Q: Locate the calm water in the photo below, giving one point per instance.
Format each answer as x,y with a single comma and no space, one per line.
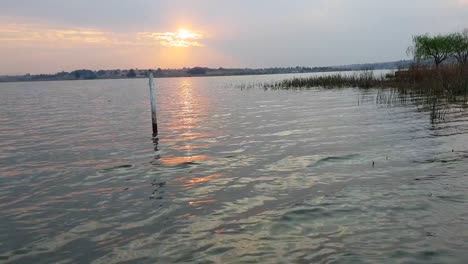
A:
237,176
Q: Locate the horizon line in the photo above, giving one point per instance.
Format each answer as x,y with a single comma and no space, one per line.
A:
205,67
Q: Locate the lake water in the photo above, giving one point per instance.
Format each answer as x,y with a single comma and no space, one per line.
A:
237,175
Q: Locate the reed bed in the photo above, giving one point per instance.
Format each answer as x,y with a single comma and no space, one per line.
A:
448,82
364,79
432,89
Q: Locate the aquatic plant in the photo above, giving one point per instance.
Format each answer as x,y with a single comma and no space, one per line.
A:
365,79
448,81
432,89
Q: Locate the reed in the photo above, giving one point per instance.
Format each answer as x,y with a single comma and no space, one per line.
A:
365,79
450,81
432,89
447,82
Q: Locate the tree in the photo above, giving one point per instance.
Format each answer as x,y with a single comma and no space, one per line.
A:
101,73
437,48
197,71
460,47
131,73
84,74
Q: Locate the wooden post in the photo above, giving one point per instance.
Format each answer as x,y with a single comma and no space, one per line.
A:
153,105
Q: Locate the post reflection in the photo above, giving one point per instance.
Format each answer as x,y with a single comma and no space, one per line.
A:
183,137
157,156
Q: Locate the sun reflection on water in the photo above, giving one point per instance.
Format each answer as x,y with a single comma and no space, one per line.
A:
198,180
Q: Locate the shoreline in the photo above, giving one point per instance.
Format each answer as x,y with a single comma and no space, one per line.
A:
186,76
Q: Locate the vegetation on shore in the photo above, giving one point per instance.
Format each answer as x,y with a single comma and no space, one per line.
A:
365,79
437,79
195,71
446,76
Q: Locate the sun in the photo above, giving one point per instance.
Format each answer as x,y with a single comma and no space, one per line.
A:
182,38
186,34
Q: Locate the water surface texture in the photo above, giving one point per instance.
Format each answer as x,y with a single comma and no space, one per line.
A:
237,175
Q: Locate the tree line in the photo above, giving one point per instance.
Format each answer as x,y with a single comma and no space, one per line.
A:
440,48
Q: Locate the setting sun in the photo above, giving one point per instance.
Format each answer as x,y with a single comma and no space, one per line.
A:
186,34
182,38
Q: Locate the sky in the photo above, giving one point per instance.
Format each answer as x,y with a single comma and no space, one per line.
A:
49,36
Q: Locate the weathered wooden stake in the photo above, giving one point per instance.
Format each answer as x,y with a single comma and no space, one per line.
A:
153,105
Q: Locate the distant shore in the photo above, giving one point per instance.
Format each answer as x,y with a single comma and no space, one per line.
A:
85,74
10,79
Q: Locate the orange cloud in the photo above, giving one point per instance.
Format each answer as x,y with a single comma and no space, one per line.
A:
25,45
28,33
181,38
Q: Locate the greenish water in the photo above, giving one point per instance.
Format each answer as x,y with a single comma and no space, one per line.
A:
237,176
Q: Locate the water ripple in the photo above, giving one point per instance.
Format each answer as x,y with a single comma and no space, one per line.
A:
235,176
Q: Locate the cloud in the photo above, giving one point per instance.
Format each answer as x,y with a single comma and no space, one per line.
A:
182,38
16,33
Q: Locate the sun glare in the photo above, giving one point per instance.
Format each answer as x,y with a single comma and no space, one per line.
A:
185,34
182,38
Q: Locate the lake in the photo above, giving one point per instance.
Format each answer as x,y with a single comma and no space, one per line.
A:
235,175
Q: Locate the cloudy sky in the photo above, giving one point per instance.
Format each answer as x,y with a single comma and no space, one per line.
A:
54,35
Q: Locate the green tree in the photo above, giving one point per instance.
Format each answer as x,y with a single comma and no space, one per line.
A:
437,48
460,47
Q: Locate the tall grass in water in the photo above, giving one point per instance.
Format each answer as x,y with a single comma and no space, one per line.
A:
365,79
432,89
450,81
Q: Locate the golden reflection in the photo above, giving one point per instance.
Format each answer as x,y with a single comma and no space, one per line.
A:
184,139
188,122
195,181
187,114
190,147
173,160
190,112
202,202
